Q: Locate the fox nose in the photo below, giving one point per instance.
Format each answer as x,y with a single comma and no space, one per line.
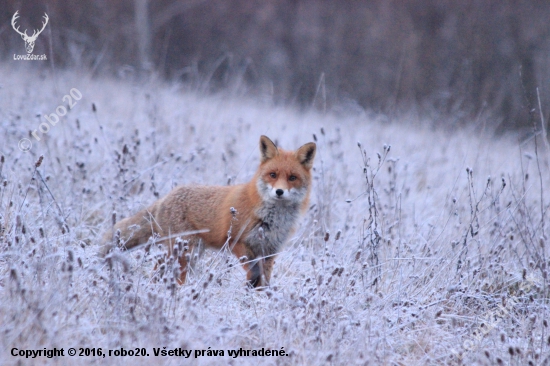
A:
279,192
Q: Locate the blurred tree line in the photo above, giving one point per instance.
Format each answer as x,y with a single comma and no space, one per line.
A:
454,58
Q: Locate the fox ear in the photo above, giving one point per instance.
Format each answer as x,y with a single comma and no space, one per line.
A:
268,149
306,153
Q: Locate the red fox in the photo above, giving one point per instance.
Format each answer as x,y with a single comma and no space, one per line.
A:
260,214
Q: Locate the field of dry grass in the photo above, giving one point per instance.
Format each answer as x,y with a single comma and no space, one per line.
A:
420,247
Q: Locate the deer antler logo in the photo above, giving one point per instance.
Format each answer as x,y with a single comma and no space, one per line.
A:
29,41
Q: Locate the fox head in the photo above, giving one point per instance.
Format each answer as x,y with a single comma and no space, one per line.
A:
285,175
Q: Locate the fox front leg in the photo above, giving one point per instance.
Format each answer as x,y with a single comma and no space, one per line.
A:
259,273
256,274
255,268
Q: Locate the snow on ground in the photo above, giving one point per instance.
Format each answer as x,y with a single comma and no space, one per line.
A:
420,247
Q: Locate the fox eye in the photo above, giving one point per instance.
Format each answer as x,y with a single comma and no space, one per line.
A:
273,175
292,178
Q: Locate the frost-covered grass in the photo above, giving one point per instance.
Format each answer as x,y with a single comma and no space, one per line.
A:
433,251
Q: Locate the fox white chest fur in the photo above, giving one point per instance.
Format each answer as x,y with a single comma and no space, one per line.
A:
277,222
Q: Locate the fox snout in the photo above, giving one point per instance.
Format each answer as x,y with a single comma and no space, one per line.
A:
282,193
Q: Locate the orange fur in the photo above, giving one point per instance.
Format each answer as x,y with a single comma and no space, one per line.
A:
265,211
